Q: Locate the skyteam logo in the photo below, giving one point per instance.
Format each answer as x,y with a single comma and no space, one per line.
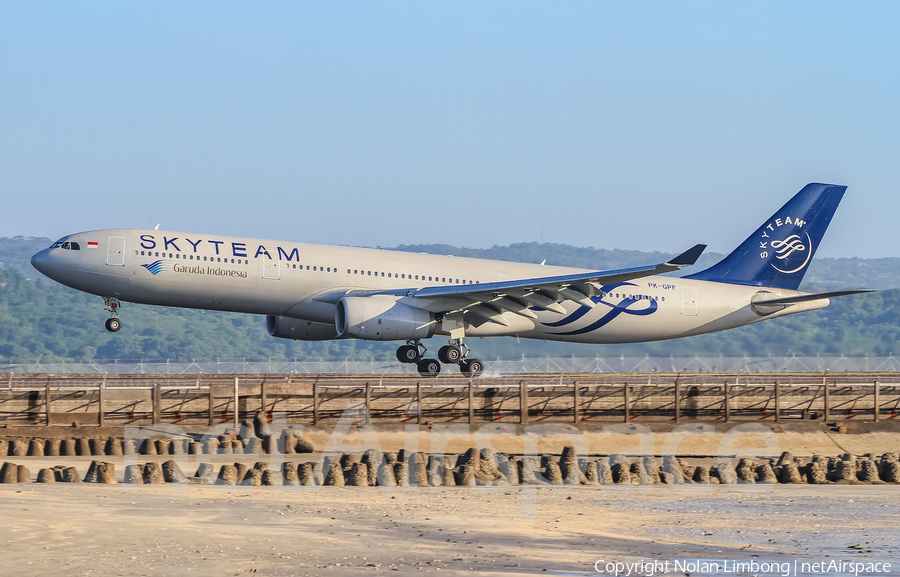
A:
158,266
789,254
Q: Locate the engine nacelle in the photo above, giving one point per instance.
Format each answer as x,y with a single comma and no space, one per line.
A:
299,330
381,319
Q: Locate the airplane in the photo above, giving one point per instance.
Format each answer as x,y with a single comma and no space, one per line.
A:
319,292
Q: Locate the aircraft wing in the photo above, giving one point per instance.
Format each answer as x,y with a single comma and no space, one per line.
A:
486,302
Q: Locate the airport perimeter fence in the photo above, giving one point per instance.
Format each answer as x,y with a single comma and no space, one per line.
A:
220,399
496,368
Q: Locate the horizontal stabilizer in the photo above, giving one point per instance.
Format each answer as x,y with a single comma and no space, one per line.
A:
811,297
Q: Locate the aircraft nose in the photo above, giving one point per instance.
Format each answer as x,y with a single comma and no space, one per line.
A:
41,261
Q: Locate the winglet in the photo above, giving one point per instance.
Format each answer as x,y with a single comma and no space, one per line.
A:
688,257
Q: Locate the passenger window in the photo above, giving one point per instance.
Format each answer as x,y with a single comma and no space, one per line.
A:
443,280
389,275
157,254
382,274
355,271
329,269
429,278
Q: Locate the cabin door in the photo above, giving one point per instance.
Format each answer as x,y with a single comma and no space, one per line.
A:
116,251
689,301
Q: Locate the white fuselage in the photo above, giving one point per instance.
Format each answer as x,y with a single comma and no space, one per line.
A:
299,280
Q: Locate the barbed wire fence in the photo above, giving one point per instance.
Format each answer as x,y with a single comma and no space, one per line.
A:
647,364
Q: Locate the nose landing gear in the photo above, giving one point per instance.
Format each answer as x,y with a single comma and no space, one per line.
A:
113,324
455,353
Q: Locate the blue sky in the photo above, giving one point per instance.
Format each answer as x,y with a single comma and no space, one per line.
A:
648,126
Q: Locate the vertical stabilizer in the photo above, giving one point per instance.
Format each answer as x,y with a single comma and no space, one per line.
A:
779,252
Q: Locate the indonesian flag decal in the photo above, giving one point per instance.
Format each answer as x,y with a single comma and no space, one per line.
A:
93,244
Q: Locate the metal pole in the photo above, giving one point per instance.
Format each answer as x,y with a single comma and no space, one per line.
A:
576,400
315,403
102,418
157,404
877,400
523,403
368,403
471,403
677,401
263,398
727,403
777,401
47,399
212,406
419,402
627,391
827,398
237,416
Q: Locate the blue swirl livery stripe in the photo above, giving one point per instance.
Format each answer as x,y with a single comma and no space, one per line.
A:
157,267
623,307
583,310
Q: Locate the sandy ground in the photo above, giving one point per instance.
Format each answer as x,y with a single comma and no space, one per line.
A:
196,530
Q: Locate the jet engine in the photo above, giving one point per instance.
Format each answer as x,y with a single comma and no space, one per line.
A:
299,330
381,319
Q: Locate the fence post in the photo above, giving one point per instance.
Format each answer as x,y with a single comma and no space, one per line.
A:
212,406
827,398
419,403
102,419
523,403
263,398
368,402
877,401
237,417
777,401
677,401
627,391
315,402
157,404
576,398
727,403
471,403
47,399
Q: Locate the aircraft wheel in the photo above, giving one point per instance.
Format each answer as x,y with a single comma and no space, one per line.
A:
113,325
408,354
429,367
449,354
472,368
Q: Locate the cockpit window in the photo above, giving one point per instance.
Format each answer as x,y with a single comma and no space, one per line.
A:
65,245
56,244
75,246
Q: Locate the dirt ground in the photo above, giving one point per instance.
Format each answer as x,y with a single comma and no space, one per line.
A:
195,530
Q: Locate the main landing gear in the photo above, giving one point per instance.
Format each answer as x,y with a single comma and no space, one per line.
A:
453,354
113,324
